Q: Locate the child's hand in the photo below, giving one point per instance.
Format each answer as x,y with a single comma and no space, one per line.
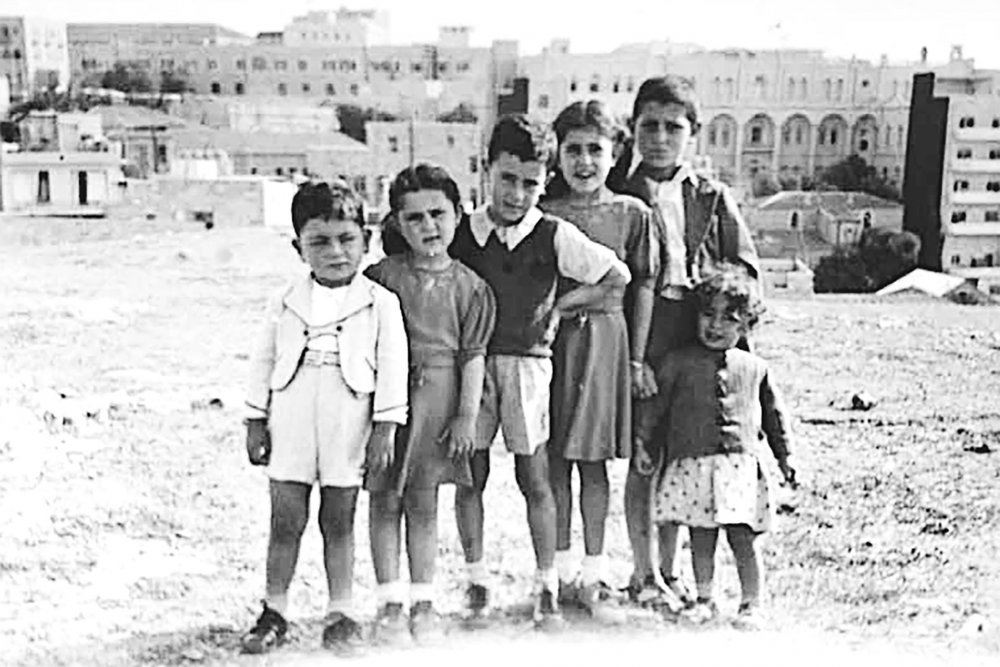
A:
258,441
555,318
788,472
643,381
644,463
381,447
460,436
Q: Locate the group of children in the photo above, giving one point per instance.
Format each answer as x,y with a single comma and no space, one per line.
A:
594,311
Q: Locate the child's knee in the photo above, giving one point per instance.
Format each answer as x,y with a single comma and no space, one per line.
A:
336,513
421,505
288,524
533,481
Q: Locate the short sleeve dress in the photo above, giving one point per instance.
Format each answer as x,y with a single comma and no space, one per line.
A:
449,316
591,389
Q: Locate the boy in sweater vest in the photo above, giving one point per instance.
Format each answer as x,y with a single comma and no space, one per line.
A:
521,253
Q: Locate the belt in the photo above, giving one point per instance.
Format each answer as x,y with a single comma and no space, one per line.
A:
321,358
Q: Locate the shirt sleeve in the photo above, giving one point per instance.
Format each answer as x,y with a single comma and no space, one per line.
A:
478,322
580,259
774,419
640,243
262,359
391,362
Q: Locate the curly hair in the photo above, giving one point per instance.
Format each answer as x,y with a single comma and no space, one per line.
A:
525,139
733,283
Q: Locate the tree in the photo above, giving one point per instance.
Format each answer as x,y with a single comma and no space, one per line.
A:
352,119
853,174
173,82
765,185
463,113
881,257
127,77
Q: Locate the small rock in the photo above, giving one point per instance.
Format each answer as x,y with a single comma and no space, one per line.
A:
193,655
982,448
975,624
862,401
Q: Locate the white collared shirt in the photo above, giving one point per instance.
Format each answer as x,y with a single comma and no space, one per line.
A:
323,311
577,257
668,197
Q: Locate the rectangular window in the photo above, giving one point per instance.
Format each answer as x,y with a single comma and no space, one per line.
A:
393,145
281,65
992,216
241,64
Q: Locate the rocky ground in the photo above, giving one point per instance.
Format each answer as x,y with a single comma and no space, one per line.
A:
134,531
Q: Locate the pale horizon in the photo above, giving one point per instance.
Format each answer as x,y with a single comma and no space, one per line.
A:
850,28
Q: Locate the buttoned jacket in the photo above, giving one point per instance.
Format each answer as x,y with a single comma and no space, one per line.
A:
371,339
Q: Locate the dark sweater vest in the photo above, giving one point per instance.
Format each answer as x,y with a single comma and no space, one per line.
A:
524,283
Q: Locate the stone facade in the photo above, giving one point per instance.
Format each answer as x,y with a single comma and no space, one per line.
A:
34,55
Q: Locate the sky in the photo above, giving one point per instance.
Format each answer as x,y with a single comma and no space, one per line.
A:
863,28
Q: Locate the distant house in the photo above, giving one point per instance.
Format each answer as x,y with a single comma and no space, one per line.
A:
814,221
63,166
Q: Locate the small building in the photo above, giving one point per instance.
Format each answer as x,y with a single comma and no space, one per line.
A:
59,183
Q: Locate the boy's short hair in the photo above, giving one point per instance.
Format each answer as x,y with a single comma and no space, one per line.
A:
527,140
327,201
733,283
669,89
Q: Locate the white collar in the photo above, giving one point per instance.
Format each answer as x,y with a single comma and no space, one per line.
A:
481,225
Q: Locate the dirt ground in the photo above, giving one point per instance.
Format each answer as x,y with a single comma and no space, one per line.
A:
133,531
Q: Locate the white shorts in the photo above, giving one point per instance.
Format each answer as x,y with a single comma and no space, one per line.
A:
516,401
319,429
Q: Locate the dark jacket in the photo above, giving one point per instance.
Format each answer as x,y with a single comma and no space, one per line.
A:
714,227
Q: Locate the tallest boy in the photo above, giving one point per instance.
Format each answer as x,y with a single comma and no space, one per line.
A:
522,252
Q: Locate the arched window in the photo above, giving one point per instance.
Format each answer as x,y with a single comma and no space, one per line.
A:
798,135
725,136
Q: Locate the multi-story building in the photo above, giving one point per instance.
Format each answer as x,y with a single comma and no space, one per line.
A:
34,55
789,113
96,47
348,27
952,190
455,146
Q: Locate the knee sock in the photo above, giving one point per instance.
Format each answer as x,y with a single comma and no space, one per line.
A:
345,607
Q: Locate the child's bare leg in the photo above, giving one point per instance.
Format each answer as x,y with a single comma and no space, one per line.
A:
639,523
421,507
289,515
336,523
560,479
532,475
594,499
749,566
703,542
669,540
469,508
385,511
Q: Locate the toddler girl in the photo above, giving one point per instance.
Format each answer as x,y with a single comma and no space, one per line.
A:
449,313
714,400
592,383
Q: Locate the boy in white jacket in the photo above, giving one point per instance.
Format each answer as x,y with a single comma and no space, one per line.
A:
328,387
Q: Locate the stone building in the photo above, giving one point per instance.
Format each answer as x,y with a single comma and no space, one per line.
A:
34,55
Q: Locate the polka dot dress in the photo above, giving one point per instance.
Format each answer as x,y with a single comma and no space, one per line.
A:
713,491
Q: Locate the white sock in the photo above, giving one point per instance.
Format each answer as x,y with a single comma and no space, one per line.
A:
566,566
476,572
279,603
390,592
547,578
421,593
594,569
